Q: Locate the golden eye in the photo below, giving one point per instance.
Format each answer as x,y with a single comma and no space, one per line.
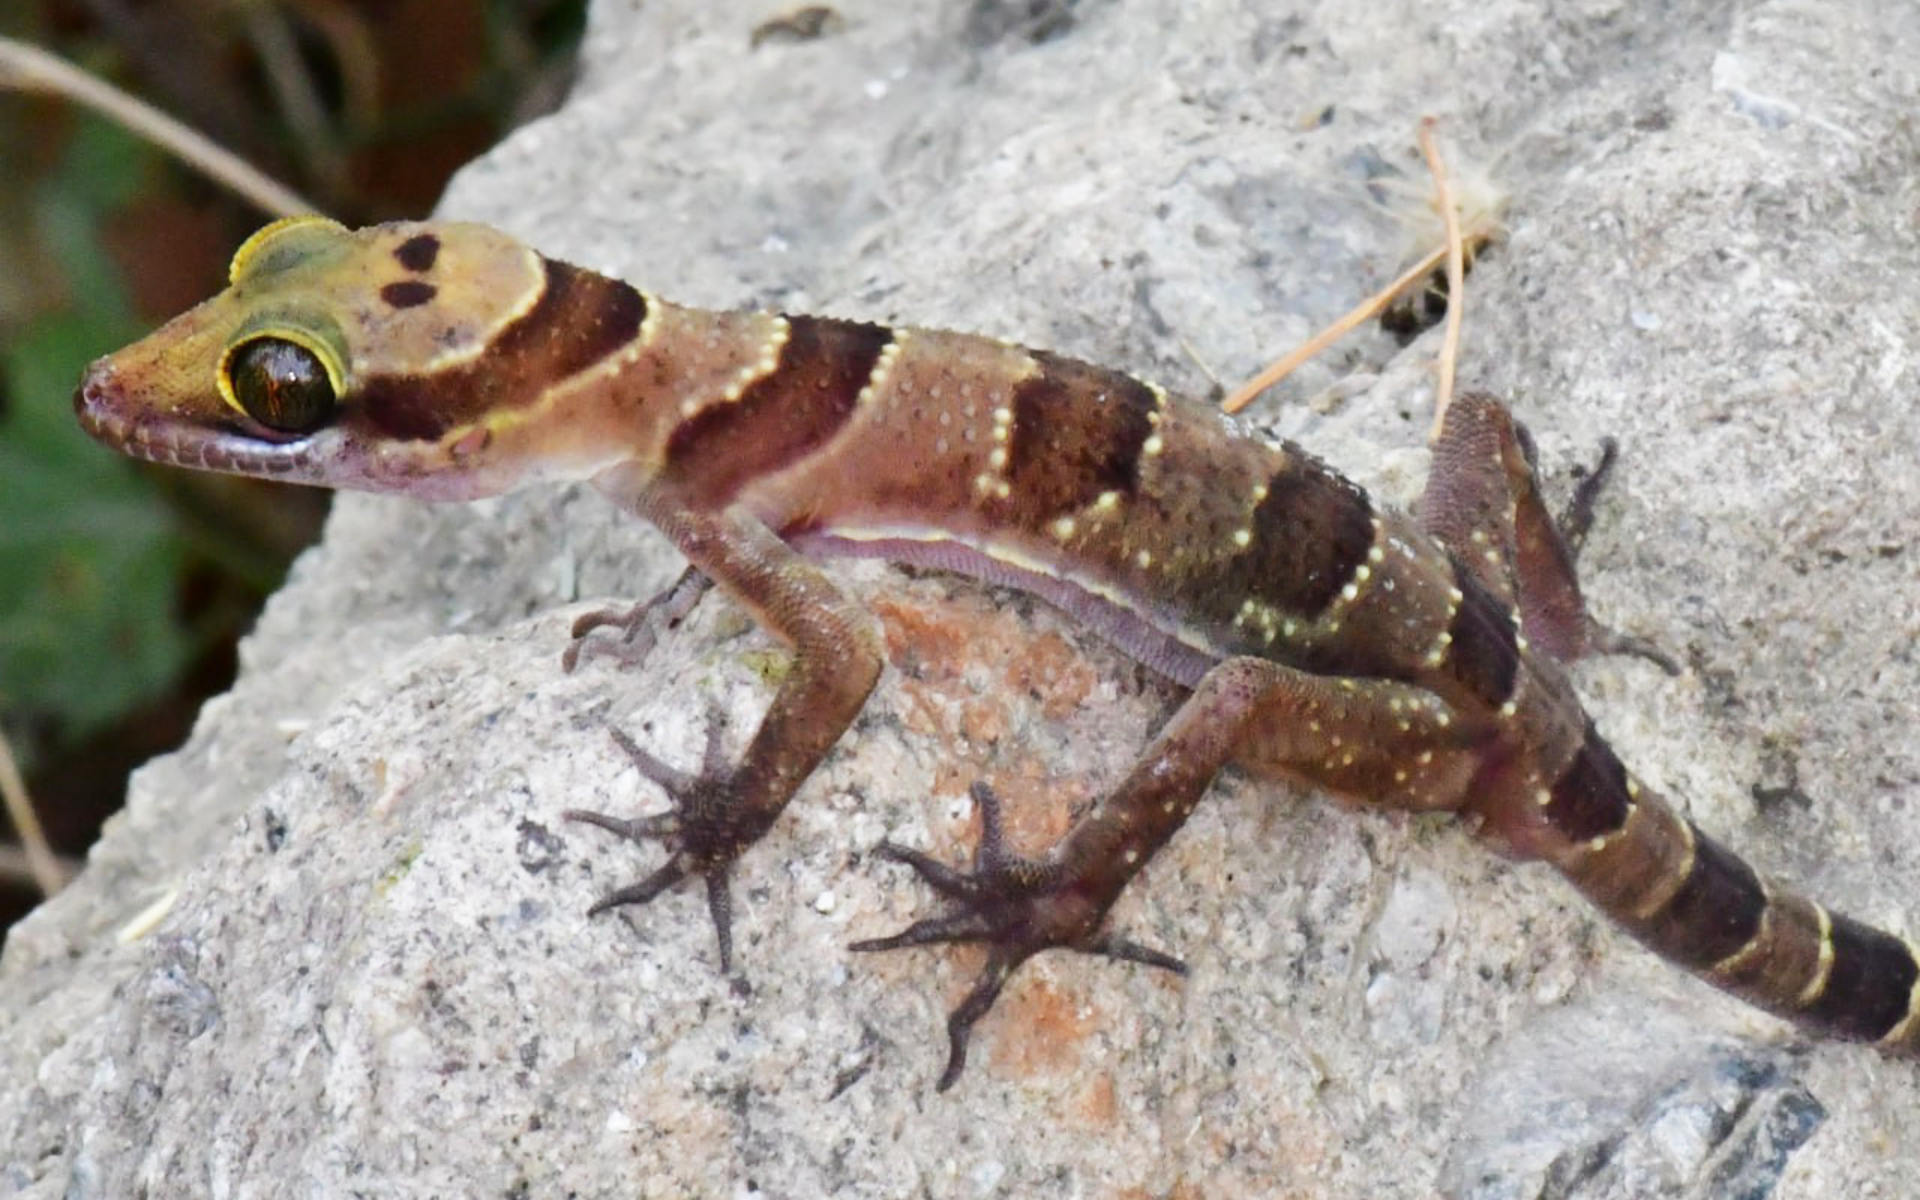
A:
281,384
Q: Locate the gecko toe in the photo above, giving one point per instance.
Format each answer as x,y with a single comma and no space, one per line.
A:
701,836
1017,907
638,630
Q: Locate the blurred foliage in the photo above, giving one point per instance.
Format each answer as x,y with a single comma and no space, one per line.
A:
122,588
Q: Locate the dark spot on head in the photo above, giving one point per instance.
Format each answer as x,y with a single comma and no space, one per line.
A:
408,293
418,252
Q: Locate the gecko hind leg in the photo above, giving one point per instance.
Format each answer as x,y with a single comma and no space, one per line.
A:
995,903
639,632
1483,503
1389,741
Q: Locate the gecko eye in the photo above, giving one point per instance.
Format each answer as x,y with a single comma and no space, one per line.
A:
282,385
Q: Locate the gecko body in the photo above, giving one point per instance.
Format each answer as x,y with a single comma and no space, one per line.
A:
1406,662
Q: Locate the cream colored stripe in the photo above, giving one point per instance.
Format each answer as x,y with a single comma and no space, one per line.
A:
1761,932
1909,1024
1818,983
1675,880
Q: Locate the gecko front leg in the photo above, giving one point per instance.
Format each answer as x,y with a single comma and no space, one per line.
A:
672,605
1387,741
837,654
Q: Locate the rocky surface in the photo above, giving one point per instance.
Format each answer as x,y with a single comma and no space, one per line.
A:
370,972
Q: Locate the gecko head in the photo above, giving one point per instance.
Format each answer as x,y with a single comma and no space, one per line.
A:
409,357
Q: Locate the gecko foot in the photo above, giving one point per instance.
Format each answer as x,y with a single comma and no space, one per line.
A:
703,832
638,632
1018,907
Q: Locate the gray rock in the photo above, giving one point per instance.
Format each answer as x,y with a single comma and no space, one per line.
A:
373,975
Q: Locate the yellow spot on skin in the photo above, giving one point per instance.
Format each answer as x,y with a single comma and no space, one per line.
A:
1152,446
1144,558
1063,528
998,458
650,324
1508,709
1543,797
1242,537
1376,556
1107,501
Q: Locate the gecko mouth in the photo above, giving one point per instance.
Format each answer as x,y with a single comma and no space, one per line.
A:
101,406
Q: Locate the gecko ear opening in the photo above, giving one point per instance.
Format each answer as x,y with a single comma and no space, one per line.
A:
281,384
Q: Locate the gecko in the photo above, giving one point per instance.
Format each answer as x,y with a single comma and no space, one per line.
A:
1412,662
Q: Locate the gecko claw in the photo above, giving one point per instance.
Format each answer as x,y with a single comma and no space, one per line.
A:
1017,906
637,634
701,838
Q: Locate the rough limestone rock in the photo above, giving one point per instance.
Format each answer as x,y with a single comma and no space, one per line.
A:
373,975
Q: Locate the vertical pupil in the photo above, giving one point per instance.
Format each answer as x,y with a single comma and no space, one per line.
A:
282,385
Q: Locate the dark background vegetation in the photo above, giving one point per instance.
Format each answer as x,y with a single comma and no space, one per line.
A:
123,588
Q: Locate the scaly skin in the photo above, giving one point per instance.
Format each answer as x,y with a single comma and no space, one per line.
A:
1408,663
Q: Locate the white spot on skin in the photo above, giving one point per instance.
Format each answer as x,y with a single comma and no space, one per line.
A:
1063,528
1242,538
763,366
882,367
1144,558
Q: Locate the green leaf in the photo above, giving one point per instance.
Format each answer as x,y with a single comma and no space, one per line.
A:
90,559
